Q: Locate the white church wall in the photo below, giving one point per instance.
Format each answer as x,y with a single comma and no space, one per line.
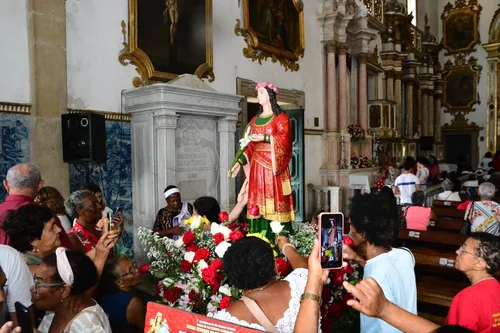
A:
96,78
14,55
478,116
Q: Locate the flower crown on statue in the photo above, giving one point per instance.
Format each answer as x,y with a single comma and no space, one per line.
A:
266,85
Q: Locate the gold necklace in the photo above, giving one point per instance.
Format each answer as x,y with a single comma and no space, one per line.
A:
484,279
261,288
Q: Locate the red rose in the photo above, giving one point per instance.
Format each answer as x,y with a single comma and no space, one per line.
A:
193,247
223,217
172,294
144,268
347,269
218,238
185,266
201,254
194,298
188,238
209,274
225,302
235,235
348,241
217,264
254,210
282,266
337,277
215,286
335,309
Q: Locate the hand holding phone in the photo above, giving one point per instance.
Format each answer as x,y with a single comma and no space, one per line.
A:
23,318
330,239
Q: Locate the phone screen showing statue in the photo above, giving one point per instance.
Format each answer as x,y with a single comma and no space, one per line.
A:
331,240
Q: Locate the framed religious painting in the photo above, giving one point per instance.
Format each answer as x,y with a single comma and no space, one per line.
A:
273,29
460,89
167,38
460,26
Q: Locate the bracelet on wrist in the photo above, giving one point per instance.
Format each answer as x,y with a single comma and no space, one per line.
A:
285,246
310,296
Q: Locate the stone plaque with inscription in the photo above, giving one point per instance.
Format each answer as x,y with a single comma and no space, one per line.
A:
197,158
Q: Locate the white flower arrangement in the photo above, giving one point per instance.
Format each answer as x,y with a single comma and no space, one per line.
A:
276,227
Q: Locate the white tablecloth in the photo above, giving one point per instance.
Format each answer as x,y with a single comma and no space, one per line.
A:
360,182
448,167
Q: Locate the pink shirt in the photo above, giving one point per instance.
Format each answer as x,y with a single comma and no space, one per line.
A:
417,218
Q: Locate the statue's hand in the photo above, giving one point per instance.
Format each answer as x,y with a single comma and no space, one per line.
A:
235,170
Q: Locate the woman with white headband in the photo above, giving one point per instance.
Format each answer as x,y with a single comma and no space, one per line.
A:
170,219
60,283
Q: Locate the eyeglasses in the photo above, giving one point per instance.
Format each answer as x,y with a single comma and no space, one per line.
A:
463,248
133,270
37,285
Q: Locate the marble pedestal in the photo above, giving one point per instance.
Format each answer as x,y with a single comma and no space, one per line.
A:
183,134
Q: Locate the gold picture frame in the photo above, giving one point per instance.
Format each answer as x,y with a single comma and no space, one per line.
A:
460,89
287,45
460,26
149,55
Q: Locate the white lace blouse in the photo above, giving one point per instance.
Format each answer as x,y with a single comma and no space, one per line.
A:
297,280
90,320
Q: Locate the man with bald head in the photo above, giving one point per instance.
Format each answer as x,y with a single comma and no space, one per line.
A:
23,182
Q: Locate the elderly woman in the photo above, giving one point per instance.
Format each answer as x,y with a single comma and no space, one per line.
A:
33,232
84,206
448,194
170,219
484,214
125,311
50,197
60,285
267,304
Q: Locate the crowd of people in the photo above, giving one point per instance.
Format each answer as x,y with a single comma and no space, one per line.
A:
59,258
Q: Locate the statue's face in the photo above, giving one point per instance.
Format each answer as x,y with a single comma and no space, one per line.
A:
263,96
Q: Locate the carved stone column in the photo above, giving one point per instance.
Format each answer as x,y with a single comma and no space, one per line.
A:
343,112
430,114
398,96
390,85
164,131
424,115
362,93
332,88
227,129
438,93
409,108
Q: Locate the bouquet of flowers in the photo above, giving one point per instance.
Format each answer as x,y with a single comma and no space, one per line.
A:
359,162
336,315
356,132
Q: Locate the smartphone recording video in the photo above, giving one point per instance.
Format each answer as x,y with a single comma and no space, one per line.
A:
330,237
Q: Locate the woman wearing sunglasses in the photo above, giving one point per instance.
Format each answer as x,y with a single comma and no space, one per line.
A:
125,311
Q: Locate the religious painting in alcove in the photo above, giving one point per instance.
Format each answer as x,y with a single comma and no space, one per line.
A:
460,26
273,29
168,38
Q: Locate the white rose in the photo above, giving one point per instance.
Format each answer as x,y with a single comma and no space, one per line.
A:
196,223
225,290
276,227
225,231
189,256
222,248
201,265
179,243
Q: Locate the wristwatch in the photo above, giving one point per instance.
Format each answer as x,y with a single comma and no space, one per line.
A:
310,296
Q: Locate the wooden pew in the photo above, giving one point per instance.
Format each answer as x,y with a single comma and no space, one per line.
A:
449,225
432,237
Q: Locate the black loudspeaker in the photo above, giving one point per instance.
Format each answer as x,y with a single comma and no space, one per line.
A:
426,142
84,137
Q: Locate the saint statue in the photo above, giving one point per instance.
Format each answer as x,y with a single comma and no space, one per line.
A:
265,153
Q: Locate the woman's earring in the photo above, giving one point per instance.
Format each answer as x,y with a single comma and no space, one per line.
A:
35,250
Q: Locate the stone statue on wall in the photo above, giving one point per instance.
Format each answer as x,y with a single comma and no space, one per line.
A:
265,153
